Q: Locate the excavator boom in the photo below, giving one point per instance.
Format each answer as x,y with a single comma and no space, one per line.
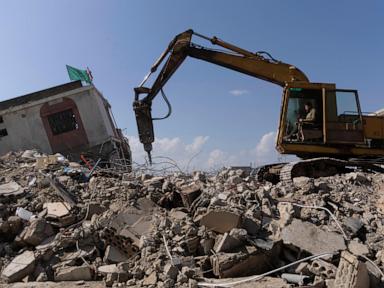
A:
259,65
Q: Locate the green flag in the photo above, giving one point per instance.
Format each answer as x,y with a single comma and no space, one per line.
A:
77,74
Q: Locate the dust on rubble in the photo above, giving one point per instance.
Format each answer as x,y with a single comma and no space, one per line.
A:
60,227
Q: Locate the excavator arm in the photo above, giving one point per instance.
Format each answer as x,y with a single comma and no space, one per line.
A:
259,65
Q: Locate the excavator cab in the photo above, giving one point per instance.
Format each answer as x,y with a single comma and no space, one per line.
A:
335,119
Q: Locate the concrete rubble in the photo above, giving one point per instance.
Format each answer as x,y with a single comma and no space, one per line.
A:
220,229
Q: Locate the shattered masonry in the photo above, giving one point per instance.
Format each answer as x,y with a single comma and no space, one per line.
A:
178,230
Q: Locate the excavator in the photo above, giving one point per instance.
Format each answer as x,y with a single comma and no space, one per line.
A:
335,138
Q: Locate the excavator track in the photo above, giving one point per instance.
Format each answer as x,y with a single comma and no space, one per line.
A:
313,168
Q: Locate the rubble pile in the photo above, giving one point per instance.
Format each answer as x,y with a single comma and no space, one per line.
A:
59,222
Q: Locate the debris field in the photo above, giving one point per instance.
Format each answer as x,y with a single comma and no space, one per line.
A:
61,222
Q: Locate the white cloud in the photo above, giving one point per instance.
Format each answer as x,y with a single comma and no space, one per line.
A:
184,154
265,151
197,144
193,156
266,143
238,92
216,158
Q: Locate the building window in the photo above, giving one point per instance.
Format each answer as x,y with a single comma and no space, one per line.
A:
3,132
62,122
1,119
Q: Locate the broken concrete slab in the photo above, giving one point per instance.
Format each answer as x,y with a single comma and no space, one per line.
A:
114,255
128,234
220,221
143,226
36,232
113,273
73,273
226,243
62,192
250,261
11,189
265,282
106,269
21,266
57,209
311,238
357,248
177,215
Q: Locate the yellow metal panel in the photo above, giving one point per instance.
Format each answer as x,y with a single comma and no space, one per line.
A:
329,151
373,127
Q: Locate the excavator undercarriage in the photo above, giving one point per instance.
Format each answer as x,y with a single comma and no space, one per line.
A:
313,168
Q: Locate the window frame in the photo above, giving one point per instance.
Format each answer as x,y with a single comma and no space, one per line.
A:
53,126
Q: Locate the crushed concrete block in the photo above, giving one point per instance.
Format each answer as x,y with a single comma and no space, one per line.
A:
286,212
151,279
171,271
226,243
114,255
73,273
245,263
311,238
13,225
189,194
251,224
36,232
302,268
206,245
351,272
220,221
322,268
356,176
45,161
177,215
353,224
305,184
295,278
21,266
94,208
107,269
192,244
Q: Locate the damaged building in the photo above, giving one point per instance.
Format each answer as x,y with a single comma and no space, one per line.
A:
70,119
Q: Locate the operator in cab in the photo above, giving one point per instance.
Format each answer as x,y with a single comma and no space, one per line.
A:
311,113
303,121
308,122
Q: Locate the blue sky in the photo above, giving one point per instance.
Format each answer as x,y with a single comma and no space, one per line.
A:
331,41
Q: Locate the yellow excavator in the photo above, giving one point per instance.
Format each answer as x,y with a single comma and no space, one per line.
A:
319,123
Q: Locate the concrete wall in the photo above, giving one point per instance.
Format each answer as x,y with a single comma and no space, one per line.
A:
25,131
25,127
